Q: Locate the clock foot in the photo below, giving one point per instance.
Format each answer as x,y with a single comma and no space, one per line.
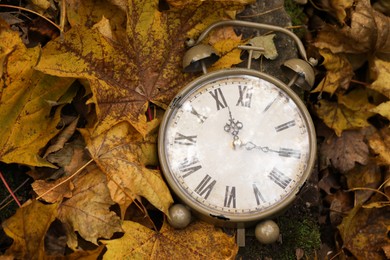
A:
179,216
267,232
241,237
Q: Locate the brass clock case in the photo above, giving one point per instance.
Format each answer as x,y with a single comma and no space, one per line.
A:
203,211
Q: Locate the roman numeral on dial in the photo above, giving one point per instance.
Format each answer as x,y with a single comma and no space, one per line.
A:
287,152
219,98
285,126
258,196
205,186
201,118
245,98
230,197
279,178
189,166
184,139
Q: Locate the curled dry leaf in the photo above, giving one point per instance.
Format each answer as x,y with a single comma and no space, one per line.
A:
87,213
121,153
365,232
28,228
344,151
198,241
27,123
368,32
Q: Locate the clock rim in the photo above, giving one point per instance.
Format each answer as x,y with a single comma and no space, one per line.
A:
203,211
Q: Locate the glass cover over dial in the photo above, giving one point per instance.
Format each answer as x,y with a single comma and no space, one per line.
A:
236,145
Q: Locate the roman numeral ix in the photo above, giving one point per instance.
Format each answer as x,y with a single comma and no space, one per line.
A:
184,139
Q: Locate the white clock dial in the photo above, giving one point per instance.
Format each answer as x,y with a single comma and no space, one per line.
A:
236,146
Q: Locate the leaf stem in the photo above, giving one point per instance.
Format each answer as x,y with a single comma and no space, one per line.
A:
31,11
67,179
10,190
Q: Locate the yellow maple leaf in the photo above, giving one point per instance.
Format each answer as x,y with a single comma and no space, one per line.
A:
380,72
142,67
87,213
123,154
380,143
383,109
339,73
198,241
25,96
350,112
28,228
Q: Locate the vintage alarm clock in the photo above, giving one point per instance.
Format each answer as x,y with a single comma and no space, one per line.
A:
236,145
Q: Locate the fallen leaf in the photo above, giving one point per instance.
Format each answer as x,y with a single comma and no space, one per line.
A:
341,203
380,143
383,109
339,73
266,42
57,194
122,154
198,241
350,112
62,138
81,255
185,3
143,67
27,123
344,151
368,32
361,177
28,228
87,213
365,231
380,72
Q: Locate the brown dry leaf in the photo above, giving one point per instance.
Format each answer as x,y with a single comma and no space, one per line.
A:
28,228
27,123
365,231
368,32
123,154
351,112
57,194
126,74
80,255
339,73
361,177
185,3
380,143
198,241
344,151
62,138
88,210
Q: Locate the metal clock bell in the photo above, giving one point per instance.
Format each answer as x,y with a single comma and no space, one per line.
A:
236,145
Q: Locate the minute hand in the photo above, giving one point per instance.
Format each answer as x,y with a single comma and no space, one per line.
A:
284,152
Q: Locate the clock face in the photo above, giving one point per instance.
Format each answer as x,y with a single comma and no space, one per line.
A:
236,146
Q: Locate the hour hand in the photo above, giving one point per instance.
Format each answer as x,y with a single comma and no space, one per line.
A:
233,126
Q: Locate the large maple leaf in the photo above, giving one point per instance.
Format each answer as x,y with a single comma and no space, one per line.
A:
137,66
